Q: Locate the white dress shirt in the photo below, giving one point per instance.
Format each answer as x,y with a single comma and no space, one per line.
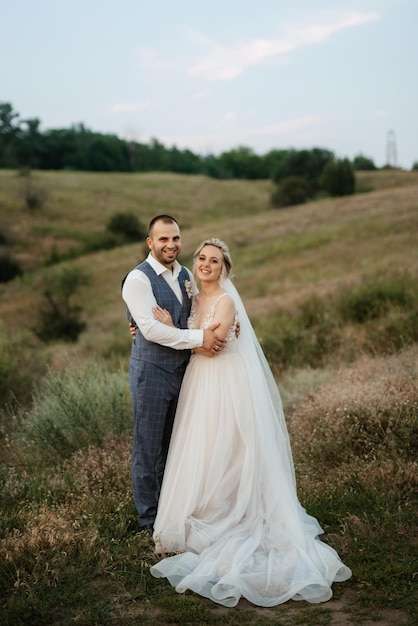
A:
139,297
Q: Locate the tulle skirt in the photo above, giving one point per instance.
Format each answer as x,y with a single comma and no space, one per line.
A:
228,505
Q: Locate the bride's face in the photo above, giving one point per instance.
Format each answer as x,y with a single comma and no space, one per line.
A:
209,264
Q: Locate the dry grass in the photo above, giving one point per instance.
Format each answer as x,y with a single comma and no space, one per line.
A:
354,431
82,203
74,520
353,428
363,409
280,256
387,179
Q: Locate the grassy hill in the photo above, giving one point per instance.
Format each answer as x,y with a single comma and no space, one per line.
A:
330,286
280,256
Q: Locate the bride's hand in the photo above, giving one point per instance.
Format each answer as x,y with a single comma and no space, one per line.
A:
162,315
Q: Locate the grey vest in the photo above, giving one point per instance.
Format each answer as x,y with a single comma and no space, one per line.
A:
144,350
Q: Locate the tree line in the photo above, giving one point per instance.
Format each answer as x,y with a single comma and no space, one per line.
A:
24,145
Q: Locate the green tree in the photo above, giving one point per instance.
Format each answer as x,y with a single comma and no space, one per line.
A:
9,132
182,161
242,162
108,153
361,162
210,166
308,164
338,178
60,149
29,144
273,160
157,156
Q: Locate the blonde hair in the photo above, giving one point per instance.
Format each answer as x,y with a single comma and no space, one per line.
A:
227,261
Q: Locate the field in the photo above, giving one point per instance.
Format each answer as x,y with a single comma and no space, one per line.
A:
331,289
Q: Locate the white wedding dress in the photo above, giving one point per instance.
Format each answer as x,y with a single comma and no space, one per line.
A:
228,503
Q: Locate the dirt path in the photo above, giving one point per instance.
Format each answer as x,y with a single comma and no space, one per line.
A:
338,607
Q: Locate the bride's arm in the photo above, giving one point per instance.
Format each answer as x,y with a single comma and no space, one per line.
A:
224,316
223,320
162,315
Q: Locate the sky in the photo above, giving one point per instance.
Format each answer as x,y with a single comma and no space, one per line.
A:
212,76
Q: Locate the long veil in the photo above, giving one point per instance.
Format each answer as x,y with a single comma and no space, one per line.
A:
264,389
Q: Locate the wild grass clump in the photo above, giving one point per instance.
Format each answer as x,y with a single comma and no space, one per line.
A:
81,406
355,435
386,310
379,316
302,339
65,490
375,297
368,412
21,367
64,546
355,445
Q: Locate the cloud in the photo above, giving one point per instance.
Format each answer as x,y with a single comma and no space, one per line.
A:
231,116
287,126
124,107
147,58
220,135
201,95
228,62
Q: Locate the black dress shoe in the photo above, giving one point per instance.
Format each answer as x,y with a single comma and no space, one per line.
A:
148,529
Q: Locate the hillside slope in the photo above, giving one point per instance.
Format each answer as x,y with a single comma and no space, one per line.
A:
280,256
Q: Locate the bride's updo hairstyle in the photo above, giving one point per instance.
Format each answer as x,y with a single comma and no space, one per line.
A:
227,264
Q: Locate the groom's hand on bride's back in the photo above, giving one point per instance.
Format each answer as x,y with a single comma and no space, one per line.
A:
211,341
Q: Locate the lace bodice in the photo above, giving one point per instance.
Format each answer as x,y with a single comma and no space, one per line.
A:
208,321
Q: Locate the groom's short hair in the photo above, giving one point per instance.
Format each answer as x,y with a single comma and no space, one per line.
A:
167,219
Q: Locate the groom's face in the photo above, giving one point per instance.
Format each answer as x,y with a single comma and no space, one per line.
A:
165,243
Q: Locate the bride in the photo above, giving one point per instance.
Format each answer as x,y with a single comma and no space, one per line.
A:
228,505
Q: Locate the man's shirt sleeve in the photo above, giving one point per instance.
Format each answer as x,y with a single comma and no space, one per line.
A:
139,298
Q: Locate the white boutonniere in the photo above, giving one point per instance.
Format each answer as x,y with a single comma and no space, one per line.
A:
189,289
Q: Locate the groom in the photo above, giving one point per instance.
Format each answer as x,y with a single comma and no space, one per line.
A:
159,357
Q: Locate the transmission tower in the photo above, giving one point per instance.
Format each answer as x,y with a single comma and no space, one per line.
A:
391,159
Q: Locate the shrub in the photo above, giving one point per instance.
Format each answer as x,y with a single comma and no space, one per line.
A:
34,193
290,191
106,240
21,365
127,226
299,340
338,178
55,256
59,318
373,298
397,330
9,268
82,406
